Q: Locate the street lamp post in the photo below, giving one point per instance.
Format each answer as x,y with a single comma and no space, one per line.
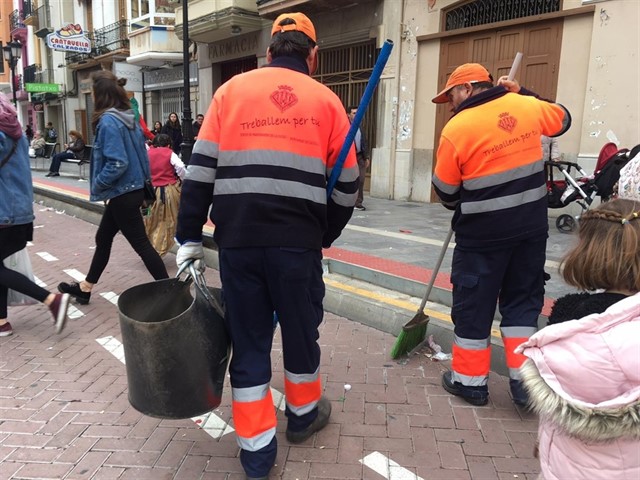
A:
187,127
12,52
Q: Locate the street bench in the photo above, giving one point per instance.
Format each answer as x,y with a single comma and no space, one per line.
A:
85,159
49,150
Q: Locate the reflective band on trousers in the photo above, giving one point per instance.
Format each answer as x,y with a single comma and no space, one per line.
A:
254,417
471,358
511,338
478,381
302,391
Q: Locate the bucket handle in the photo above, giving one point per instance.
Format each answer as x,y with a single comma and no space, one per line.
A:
200,283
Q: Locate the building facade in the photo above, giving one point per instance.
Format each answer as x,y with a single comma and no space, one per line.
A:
581,53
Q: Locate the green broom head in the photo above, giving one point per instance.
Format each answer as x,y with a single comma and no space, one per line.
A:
411,335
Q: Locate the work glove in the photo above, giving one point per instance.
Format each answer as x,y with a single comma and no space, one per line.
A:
191,251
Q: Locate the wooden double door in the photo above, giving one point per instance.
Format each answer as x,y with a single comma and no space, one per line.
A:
495,49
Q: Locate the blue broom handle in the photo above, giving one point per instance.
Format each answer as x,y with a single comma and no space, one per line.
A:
385,52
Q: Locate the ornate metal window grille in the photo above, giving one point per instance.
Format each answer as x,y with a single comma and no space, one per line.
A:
77,57
112,37
482,12
346,71
15,20
28,8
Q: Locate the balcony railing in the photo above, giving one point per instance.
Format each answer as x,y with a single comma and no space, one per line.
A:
15,20
28,9
29,73
112,38
44,76
76,57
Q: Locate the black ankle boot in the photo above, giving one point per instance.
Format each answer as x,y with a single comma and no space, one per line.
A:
73,289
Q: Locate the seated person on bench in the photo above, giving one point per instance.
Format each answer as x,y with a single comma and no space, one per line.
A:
73,150
38,144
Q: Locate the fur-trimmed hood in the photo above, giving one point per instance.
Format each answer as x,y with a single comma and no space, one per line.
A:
584,375
584,423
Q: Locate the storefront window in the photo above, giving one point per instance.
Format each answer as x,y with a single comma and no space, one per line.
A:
145,13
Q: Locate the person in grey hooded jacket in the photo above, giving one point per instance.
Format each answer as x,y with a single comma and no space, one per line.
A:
119,167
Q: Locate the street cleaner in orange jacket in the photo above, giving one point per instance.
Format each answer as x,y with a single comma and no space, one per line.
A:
490,171
264,153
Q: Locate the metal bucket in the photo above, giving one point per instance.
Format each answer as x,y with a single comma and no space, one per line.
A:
176,347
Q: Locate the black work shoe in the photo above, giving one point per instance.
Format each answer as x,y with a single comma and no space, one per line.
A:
477,396
519,393
73,289
321,421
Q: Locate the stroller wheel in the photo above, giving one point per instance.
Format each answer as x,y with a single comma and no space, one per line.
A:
565,223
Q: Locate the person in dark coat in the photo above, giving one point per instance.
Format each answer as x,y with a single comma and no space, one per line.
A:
72,150
197,124
174,130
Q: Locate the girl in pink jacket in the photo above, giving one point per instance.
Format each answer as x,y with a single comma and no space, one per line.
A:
583,371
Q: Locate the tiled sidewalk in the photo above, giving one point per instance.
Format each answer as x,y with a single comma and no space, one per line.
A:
64,411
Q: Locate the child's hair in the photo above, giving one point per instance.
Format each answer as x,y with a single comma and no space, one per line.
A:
162,140
607,255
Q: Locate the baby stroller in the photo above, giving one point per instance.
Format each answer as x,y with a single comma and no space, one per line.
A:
583,188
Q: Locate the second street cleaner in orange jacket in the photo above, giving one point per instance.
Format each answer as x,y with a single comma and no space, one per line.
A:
490,170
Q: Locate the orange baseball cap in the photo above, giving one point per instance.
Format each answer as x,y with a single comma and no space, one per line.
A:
466,73
301,24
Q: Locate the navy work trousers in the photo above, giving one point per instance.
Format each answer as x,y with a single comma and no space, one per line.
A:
512,275
256,282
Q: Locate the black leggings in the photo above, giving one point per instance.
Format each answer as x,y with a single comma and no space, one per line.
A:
122,214
14,239
10,279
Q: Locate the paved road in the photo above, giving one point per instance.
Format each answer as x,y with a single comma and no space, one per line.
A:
64,410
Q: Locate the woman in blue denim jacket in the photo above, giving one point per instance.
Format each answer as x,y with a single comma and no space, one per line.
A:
119,167
16,219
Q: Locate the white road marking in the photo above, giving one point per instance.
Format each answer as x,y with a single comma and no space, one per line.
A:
75,274
29,244
110,297
74,313
398,235
46,256
113,346
39,282
387,468
209,422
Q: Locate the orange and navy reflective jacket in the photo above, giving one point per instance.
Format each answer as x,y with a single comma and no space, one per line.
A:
264,153
490,167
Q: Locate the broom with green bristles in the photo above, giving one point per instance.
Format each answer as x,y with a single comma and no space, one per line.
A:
414,332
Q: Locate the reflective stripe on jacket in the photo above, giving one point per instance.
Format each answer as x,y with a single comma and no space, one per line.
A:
489,166
264,152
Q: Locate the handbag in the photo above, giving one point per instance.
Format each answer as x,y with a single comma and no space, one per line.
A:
21,263
149,194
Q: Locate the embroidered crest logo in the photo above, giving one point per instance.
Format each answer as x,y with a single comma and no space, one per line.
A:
284,98
507,122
